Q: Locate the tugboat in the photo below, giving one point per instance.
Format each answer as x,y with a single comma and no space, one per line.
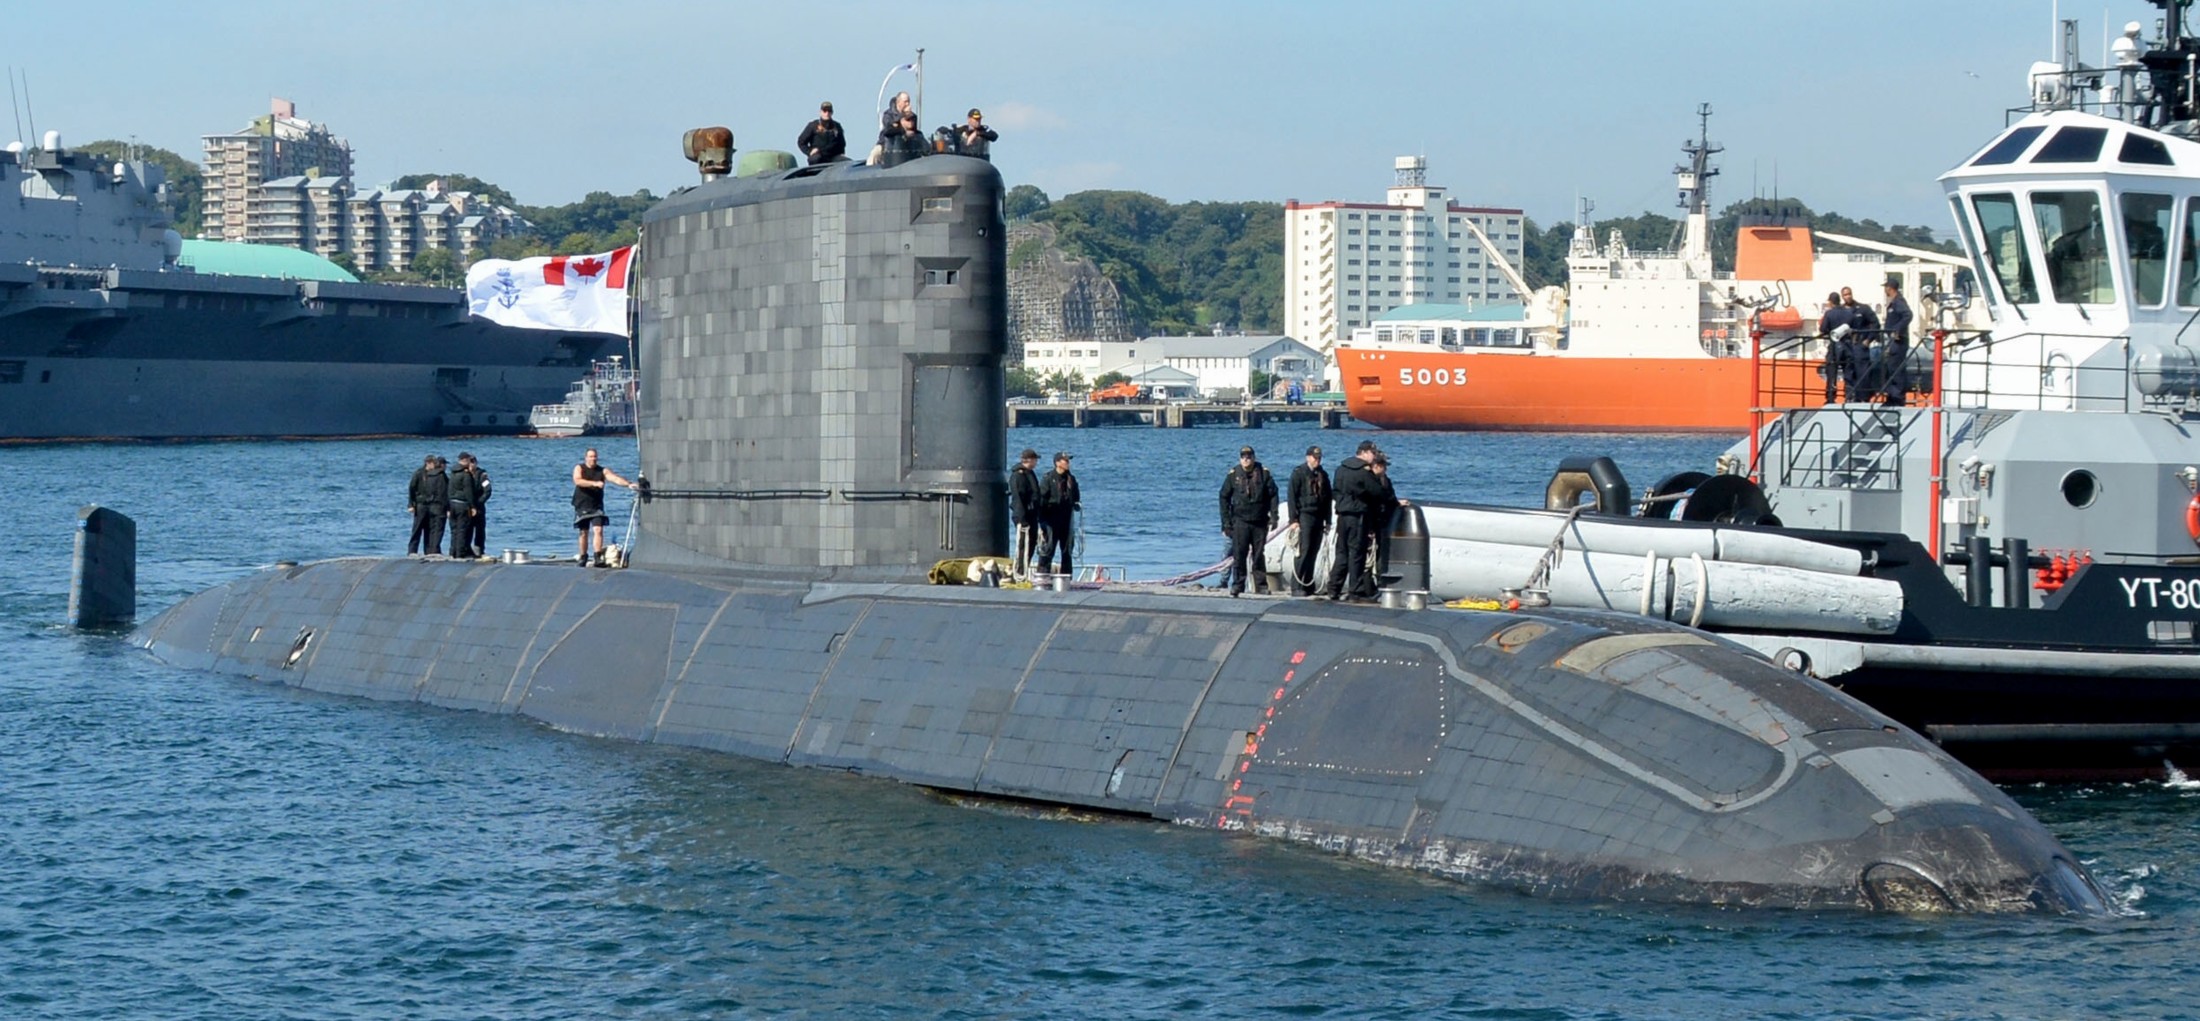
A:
601,403
2004,551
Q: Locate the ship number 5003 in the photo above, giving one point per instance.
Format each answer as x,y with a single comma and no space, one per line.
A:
1432,377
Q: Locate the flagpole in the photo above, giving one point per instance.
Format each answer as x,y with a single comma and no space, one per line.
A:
919,105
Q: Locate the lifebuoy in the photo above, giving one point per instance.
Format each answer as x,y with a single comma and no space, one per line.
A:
2192,519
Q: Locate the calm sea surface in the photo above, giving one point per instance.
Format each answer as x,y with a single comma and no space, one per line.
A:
180,846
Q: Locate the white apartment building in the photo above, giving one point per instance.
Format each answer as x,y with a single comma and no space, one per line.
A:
1346,262
285,181
278,145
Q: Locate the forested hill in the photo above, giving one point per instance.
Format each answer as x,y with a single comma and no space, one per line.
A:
1181,268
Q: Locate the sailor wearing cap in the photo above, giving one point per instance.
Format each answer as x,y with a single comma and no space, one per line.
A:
1358,494
974,138
1059,503
1248,506
823,140
1310,504
1023,507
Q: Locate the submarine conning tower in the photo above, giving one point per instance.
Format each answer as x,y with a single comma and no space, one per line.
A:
821,353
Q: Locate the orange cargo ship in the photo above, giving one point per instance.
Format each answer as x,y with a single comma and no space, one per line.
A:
1642,342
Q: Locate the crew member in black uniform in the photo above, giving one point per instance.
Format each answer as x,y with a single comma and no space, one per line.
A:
1835,326
465,492
974,138
1023,507
1248,505
1894,352
1310,500
902,142
1357,491
416,504
1382,507
479,539
1863,335
588,516
1059,503
823,140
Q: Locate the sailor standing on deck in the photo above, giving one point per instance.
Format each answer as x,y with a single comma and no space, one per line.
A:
1835,326
478,540
1894,354
465,489
588,516
1310,507
1357,492
416,504
431,503
1023,507
1248,504
1059,502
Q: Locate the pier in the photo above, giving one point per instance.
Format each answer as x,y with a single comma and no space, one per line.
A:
1175,415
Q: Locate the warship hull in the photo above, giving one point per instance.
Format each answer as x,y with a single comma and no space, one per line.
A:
133,372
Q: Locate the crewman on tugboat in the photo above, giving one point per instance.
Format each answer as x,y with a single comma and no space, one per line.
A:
1836,325
1894,352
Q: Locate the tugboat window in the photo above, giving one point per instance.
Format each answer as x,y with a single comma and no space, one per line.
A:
2188,260
2007,254
2080,488
2139,148
2070,229
2073,145
1970,240
2146,238
2009,148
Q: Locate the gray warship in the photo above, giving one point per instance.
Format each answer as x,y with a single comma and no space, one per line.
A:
105,334
821,424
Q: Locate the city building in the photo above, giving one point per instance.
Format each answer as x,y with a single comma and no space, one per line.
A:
1202,364
1345,263
276,146
286,181
1228,362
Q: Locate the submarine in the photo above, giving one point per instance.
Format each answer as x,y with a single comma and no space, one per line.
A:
821,422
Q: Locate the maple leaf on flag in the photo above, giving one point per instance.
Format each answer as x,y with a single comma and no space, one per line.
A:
588,267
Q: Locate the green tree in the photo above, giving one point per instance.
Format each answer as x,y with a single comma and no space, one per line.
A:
346,261
1023,382
1260,385
1023,202
1108,379
460,182
186,185
438,266
1068,383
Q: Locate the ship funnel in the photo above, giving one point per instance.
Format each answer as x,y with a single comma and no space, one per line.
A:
710,149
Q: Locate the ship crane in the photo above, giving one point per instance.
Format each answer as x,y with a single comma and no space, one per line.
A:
1549,300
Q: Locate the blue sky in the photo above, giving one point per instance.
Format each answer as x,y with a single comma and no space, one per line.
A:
1854,107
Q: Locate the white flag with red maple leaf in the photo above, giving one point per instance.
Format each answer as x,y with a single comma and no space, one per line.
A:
557,292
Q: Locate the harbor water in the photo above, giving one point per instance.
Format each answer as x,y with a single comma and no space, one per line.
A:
185,846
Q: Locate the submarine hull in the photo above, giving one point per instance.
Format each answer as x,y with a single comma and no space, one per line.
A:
1570,754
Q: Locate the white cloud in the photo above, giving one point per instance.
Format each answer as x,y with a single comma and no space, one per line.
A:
1015,116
